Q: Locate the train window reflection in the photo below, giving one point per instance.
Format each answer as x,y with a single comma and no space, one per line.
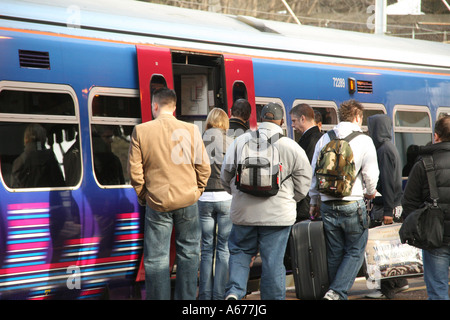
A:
36,103
39,133
115,112
121,107
412,119
443,111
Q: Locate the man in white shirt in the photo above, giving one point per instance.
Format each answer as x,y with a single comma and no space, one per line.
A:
345,219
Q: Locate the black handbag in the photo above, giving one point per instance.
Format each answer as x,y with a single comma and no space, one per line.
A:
424,227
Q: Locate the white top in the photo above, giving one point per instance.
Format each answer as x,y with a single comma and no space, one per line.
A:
365,157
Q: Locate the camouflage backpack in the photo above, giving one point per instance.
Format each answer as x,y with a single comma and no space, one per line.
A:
335,168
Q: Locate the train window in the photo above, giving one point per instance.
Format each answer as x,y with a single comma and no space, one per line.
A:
327,110
412,127
443,111
114,112
239,91
36,103
261,102
157,82
40,136
371,109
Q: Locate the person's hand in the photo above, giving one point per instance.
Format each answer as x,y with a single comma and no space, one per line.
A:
370,196
388,220
314,211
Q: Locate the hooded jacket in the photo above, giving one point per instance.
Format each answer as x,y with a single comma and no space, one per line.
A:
389,163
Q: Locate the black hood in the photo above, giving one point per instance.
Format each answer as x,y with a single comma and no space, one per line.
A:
380,128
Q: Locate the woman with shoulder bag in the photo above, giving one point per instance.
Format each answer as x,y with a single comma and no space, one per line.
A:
437,260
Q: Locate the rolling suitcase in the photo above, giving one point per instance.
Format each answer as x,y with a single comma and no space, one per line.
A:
309,260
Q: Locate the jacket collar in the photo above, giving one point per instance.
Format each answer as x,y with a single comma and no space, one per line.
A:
430,149
271,127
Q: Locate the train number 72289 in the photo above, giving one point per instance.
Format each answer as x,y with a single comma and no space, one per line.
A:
338,82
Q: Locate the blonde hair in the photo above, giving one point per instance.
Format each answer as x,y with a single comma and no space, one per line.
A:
217,118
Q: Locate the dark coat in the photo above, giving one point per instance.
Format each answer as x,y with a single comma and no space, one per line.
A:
216,144
36,168
417,191
308,143
237,127
389,163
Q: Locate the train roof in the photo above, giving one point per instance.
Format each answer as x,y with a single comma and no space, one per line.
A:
142,22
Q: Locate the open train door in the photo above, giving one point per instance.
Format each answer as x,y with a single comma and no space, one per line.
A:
240,82
155,70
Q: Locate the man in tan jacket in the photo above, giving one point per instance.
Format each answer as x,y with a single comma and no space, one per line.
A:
169,170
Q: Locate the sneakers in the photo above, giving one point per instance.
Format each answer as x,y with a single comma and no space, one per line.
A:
404,288
377,294
331,295
231,297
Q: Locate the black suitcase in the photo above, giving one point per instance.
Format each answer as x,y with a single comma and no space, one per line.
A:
309,260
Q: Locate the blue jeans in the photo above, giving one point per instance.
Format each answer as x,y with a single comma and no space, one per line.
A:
346,233
244,243
157,238
215,254
435,272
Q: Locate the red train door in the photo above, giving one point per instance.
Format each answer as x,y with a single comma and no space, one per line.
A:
155,69
240,82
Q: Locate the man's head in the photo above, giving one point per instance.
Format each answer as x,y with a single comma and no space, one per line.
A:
302,117
241,109
442,129
164,101
351,111
272,112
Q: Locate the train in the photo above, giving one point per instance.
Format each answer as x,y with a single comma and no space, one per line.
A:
77,76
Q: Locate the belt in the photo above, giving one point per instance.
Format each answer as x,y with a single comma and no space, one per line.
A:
339,202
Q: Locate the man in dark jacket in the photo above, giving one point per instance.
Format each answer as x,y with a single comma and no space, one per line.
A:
389,163
240,113
436,261
388,200
302,118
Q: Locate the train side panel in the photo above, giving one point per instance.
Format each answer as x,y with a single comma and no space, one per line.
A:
55,238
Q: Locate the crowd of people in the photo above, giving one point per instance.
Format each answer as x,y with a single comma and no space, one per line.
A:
187,181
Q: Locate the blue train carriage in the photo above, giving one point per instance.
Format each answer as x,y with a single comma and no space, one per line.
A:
80,75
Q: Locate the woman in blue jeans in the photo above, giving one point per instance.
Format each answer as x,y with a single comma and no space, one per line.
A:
214,210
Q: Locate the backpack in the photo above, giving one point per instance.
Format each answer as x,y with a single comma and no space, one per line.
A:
335,168
259,167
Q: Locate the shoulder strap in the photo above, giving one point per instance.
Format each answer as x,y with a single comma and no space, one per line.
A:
348,138
429,168
352,135
332,134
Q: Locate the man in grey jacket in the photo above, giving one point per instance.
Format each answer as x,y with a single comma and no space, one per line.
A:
264,223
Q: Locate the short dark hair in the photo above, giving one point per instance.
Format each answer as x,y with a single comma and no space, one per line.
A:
349,110
442,128
164,96
303,109
241,108
317,116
